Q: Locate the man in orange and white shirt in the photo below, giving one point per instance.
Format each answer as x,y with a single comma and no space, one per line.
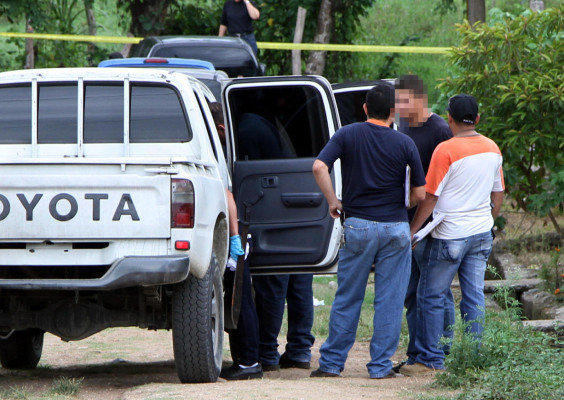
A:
465,184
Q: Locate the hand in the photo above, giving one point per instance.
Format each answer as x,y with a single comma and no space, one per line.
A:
235,247
335,209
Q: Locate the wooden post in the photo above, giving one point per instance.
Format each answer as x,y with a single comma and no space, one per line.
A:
298,35
29,55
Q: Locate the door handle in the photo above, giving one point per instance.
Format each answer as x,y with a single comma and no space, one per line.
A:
302,200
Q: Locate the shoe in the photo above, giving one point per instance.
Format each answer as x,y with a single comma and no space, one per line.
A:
391,374
418,369
271,367
396,369
285,362
236,373
323,374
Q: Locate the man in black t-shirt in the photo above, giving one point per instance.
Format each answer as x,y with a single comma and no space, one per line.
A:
427,130
237,20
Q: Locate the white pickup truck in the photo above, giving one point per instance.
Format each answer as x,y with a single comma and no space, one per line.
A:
113,210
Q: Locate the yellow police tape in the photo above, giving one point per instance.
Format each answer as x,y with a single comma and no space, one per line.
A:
261,45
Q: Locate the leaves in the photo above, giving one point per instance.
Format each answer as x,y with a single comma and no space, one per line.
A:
521,92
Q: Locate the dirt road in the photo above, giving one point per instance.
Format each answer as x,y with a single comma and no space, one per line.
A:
132,364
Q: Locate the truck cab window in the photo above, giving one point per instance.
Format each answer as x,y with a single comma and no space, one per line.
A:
278,122
15,111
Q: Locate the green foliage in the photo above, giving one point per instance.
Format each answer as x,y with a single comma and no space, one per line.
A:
553,274
66,386
512,362
514,68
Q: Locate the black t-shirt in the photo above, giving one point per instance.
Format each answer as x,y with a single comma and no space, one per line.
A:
373,162
426,137
236,17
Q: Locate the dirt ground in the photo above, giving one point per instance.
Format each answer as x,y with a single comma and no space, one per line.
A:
132,364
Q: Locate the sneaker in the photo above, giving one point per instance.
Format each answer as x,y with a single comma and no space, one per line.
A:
285,362
323,374
396,369
236,373
418,369
271,367
391,374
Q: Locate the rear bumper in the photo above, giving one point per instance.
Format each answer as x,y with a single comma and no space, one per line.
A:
125,272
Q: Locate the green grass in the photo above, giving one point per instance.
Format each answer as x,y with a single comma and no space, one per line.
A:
66,386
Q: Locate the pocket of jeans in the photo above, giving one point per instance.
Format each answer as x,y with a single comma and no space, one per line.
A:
399,235
486,247
355,239
451,250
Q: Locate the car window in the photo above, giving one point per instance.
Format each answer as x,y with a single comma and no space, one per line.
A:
278,122
156,114
15,114
234,61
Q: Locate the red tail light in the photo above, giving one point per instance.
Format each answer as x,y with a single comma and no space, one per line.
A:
182,204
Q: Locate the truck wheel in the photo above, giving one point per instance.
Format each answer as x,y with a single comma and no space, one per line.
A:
197,326
22,350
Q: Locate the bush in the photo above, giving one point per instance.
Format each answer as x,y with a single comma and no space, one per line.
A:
512,361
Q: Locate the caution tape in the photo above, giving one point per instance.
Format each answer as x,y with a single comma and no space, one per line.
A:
261,45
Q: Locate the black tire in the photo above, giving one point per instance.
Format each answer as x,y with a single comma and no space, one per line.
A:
22,350
197,326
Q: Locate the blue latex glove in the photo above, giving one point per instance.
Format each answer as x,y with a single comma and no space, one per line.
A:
235,247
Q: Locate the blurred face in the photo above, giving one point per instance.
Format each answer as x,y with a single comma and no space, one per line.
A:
409,105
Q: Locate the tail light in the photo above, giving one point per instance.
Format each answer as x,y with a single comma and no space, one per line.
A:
182,204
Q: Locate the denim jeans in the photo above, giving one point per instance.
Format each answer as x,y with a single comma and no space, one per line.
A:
442,259
271,294
387,246
411,305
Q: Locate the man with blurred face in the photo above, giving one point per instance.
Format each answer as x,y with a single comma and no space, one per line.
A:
427,130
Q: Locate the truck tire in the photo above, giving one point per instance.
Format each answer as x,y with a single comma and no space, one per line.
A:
22,350
197,326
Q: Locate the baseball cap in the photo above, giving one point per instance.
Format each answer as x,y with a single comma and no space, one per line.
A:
463,108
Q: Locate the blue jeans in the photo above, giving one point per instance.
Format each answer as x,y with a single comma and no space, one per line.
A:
442,259
271,294
388,247
411,305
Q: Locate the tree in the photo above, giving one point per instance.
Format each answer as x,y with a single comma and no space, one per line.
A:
475,11
325,27
147,16
514,69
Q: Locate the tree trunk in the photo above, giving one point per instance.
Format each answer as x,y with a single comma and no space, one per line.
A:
476,11
298,35
536,6
91,20
325,23
147,16
29,52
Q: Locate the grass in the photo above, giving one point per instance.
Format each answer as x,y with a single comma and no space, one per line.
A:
66,386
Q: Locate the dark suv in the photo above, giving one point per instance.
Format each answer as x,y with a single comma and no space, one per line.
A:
230,54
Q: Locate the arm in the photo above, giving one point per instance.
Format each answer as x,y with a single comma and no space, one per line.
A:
423,212
416,195
222,30
497,200
254,13
323,179
232,209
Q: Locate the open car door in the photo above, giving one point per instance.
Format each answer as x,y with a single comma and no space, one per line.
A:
350,97
276,127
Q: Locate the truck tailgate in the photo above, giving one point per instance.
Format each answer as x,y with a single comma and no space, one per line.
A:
84,206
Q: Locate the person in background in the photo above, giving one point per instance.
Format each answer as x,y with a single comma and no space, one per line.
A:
373,158
465,184
243,341
237,20
427,130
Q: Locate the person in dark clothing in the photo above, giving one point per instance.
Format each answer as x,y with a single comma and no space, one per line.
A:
258,138
237,20
243,341
427,130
